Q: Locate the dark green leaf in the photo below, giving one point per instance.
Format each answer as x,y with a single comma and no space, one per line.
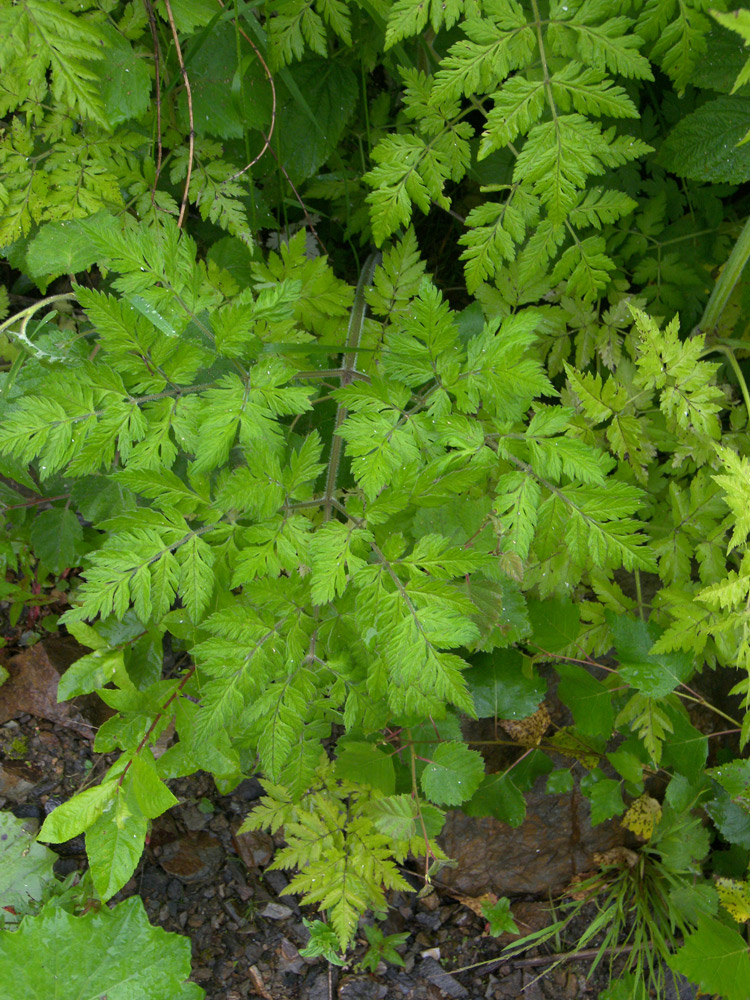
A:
715,957
654,675
504,686
56,535
685,750
554,624
497,796
315,102
587,698
531,767
217,110
704,146
604,795
732,819
367,764
560,782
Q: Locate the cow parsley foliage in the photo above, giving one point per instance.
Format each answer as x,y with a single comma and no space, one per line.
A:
388,360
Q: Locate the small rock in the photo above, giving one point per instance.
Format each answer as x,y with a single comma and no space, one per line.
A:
194,819
254,847
50,741
361,988
174,889
291,960
248,790
430,902
277,880
192,857
316,987
431,953
276,911
18,781
434,972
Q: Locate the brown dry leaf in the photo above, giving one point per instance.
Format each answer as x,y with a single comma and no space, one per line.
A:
474,903
32,688
593,882
617,857
529,731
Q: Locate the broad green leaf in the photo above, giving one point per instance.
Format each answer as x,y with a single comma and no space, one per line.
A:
114,845
730,818
587,698
694,901
554,624
220,108
715,957
90,672
26,868
453,774
655,675
79,813
497,796
686,750
125,79
56,535
60,248
56,956
734,777
705,145
626,764
531,767
604,795
560,782
151,794
316,100
504,686
368,764
395,816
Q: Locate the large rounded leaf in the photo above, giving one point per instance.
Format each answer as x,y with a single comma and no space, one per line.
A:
25,866
114,953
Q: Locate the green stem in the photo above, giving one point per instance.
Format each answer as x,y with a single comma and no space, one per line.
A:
727,351
727,280
348,373
639,593
22,337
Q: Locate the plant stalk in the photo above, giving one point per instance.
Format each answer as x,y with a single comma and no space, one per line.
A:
724,287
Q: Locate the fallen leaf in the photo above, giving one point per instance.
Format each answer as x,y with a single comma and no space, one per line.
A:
529,731
32,688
